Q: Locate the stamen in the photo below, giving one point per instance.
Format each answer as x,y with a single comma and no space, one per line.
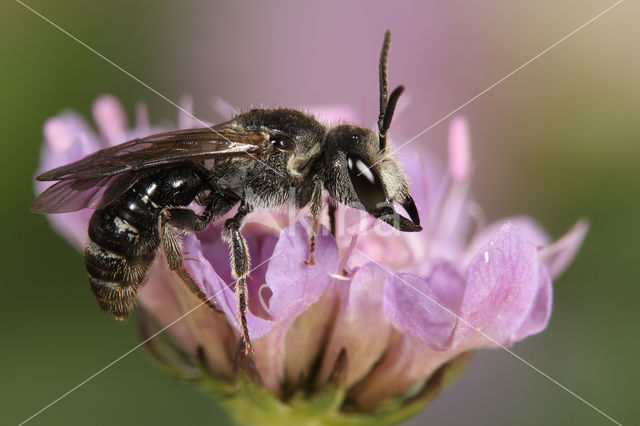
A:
347,254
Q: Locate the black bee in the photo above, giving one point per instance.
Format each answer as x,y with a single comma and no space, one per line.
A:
141,190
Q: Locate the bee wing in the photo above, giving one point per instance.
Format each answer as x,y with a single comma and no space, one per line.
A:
74,194
173,147
103,176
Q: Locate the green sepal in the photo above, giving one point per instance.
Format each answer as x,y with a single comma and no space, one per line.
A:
253,404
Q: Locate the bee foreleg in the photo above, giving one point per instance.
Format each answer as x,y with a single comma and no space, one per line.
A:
332,216
315,208
239,268
172,249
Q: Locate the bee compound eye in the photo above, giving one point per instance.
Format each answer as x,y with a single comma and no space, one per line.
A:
366,182
282,143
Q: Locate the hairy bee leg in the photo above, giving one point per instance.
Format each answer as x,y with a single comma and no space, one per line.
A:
315,208
172,249
332,216
186,219
239,268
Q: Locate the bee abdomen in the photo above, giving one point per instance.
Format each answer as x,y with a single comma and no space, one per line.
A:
117,258
115,278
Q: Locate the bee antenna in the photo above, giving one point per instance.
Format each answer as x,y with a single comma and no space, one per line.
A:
387,103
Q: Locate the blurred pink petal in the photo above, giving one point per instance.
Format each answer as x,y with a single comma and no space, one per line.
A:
143,125
334,114
111,119
459,149
561,253
185,114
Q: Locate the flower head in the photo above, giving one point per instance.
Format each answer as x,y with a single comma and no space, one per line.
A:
375,326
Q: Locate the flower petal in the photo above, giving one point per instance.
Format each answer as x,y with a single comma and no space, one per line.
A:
216,289
540,312
561,253
157,296
459,149
530,227
296,285
360,327
185,115
193,325
502,284
407,363
334,114
426,309
68,138
111,119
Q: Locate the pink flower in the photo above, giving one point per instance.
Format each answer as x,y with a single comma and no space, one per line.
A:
376,323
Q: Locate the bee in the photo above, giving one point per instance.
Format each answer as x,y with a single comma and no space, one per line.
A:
143,191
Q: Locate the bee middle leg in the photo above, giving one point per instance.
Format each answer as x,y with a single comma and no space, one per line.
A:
239,268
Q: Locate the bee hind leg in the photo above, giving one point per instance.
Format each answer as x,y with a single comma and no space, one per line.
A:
239,268
172,248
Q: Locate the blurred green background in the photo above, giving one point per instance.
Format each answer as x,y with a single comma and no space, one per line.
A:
558,140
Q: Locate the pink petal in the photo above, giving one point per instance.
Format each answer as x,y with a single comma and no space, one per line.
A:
295,284
502,285
530,227
561,253
185,114
459,149
427,308
158,297
361,326
214,287
408,362
143,125
334,114
224,108
305,338
538,317
111,119
68,138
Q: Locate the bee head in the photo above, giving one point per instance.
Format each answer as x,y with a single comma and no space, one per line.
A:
361,169
361,175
